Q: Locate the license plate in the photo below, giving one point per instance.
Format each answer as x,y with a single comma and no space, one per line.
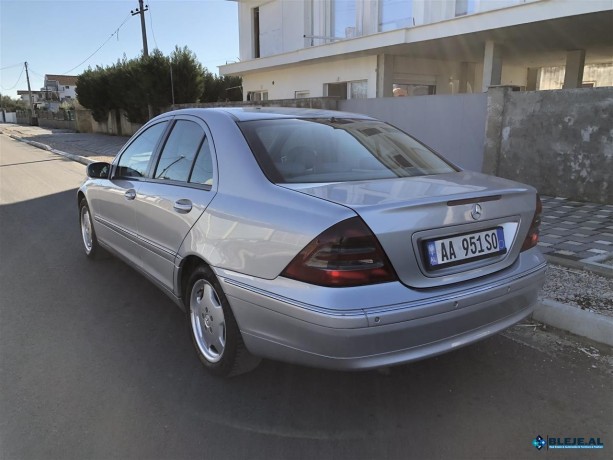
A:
465,248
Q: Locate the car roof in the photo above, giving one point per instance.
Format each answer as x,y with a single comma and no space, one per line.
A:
266,113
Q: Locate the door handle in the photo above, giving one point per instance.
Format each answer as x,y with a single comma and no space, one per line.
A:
130,194
183,206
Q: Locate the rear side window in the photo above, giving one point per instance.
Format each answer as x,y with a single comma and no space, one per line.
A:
179,151
135,158
337,150
203,167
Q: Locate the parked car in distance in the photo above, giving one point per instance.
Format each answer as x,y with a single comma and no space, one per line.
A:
320,238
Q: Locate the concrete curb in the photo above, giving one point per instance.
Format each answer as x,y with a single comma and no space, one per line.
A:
40,145
593,326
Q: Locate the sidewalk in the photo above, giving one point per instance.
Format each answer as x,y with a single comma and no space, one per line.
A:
90,147
576,236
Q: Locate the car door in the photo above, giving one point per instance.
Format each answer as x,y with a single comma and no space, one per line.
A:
182,184
116,198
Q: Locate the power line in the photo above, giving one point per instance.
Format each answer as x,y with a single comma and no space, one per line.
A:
16,83
116,32
35,72
10,66
151,24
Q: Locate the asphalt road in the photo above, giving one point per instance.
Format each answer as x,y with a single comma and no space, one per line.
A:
96,363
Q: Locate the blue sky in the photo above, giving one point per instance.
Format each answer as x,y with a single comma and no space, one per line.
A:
54,36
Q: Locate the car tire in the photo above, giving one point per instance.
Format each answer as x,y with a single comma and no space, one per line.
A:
88,234
213,328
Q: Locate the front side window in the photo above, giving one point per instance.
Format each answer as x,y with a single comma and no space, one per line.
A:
178,155
135,159
337,150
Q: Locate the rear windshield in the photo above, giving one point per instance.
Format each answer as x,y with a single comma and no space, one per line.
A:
337,150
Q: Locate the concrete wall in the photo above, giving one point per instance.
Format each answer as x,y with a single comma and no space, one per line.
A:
8,117
324,103
57,124
561,142
115,124
454,125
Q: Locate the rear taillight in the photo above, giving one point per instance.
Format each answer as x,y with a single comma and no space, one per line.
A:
346,254
533,234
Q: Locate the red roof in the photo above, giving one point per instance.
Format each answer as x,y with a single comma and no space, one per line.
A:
63,80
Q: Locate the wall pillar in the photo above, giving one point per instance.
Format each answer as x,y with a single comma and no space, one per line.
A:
575,61
492,65
467,77
496,97
385,75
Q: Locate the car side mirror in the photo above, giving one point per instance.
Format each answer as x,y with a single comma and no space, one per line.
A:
98,170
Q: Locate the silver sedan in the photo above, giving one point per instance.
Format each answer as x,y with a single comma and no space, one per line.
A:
320,238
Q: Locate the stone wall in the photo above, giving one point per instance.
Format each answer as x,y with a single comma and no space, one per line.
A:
560,142
57,120
116,123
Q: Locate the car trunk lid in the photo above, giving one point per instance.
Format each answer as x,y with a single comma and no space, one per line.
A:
418,218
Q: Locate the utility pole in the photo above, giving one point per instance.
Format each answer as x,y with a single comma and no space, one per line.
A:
141,10
33,120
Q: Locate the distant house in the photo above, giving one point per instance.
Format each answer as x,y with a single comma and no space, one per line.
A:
383,48
37,96
57,89
62,86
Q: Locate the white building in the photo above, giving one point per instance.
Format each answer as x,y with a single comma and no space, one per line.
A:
377,48
64,87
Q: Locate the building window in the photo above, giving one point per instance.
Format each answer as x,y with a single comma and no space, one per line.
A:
336,90
301,94
411,89
347,90
256,32
66,87
257,96
464,7
358,89
344,18
395,14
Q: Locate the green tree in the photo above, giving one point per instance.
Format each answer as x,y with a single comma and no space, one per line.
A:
187,75
11,105
94,93
133,84
219,89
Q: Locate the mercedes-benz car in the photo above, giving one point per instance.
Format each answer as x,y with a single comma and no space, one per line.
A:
319,238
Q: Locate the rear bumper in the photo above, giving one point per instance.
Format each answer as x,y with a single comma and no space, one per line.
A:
278,328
